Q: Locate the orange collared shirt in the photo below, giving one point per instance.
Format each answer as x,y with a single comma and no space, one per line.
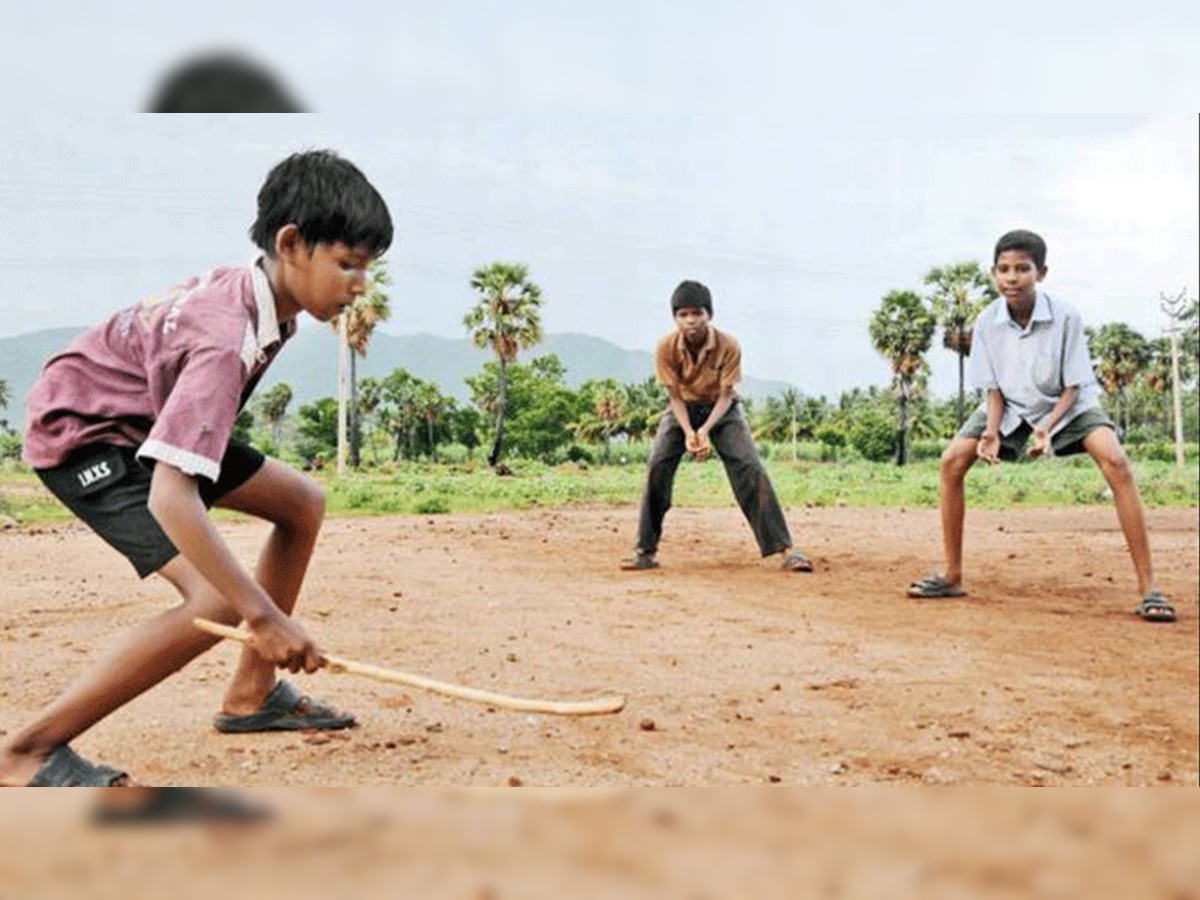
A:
699,379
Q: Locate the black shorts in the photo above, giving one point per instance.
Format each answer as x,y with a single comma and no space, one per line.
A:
108,487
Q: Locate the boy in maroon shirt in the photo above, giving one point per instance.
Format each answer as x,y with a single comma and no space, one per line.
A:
131,427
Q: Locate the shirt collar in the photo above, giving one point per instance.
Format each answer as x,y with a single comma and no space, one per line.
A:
264,298
709,344
1041,310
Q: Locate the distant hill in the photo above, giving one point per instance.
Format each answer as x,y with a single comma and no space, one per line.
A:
309,364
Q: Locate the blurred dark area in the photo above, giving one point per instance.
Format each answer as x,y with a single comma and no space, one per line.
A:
221,82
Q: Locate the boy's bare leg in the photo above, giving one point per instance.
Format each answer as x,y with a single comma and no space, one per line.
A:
1102,445
147,655
957,460
162,646
296,506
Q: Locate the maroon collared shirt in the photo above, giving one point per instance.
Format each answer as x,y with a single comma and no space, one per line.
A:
168,375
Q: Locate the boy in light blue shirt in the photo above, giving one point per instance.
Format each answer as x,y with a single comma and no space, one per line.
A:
1030,354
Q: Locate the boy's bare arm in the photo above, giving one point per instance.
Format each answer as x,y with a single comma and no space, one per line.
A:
175,502
679,409
989,445
724,399
1041,434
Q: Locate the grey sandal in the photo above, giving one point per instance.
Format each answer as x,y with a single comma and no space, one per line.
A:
66,768
285,709
1156,608
797,561
935,586
639,561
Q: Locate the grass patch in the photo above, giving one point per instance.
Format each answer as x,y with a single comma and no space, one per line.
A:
433,489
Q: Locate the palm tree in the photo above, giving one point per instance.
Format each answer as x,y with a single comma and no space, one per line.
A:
644,403
901,331
507,319
608,406
960,293
430,403
362,317
1157,377
1119,354
274,406
370,395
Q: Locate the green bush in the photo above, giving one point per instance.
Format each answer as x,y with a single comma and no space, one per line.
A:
577,453
454,454
1159,450
10,445
432,506
926,449
874,437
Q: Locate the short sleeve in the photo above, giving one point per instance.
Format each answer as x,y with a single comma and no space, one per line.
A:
981,370
666,368
1077,362
731,364
199,406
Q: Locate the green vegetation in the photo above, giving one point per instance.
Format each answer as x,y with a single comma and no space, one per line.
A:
423,488
424,453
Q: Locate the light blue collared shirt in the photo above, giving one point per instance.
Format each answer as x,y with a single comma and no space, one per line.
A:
1032,366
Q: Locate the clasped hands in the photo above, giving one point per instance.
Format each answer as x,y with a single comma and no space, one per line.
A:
698,445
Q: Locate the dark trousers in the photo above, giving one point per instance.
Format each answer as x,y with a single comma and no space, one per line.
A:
732,441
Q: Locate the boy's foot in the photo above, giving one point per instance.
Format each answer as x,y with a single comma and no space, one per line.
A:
935,585
1156,608
66,768
796,561
285,709
639,560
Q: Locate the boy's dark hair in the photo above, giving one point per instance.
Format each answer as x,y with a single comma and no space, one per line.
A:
221,82
1026,242
327,198
691,294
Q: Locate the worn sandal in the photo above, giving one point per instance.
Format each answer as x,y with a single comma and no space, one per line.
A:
796,561
285,709
66,768
1156,608
640,560
935,585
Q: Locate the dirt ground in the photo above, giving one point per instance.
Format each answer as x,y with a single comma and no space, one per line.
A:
735,673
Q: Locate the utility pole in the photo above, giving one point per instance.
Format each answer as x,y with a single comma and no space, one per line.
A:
1173,308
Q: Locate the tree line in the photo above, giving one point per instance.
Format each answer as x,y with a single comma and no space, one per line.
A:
1136,373
528,409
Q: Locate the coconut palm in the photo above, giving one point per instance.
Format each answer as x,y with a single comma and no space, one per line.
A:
370,396
274,406
362,318
506,318
960,293
901,330
1119,354
430,403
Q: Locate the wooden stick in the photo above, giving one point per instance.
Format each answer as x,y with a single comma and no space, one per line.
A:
596,706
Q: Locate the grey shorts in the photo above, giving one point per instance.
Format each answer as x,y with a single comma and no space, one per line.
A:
1067,441
108,487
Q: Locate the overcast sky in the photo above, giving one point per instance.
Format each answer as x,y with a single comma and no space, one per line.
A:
801,164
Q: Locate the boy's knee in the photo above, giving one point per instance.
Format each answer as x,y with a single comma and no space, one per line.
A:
308,505
1115,465
957,459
